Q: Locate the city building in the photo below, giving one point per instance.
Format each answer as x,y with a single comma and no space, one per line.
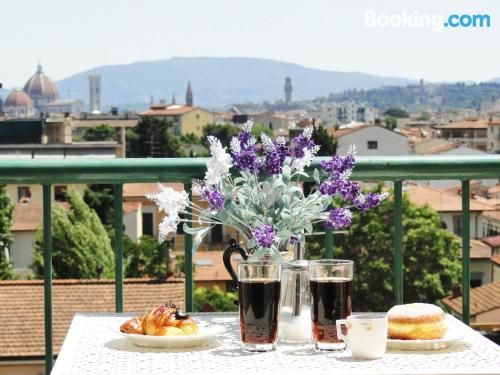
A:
288,90
19,105
189,95
471,133
41,89
494,136
370,140
67,107
184,118
276,122
95,93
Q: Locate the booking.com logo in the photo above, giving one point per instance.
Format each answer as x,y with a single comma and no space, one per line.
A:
435,22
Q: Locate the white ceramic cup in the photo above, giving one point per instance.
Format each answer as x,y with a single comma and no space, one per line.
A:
367,334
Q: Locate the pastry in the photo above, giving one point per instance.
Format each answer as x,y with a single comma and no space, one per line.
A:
167,320
416,321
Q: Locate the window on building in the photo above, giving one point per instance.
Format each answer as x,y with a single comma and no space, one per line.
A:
197,116
147,224
457,224
372,145
60,193
476,279
491,129
23,192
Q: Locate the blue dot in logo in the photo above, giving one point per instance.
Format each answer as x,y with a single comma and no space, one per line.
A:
446,24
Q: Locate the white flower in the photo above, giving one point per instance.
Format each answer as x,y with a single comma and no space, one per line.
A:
247,126
281,141
308,132
170,201
305,161
219,164
267,142
167,226
235,145
352,151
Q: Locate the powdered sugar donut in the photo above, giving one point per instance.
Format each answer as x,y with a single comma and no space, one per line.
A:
416,321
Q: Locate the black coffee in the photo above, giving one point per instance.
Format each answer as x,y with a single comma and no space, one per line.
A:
259,301
331,300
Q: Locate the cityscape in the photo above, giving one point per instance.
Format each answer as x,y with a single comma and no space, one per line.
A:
166,110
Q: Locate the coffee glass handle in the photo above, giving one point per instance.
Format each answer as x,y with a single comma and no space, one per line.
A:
340,334
233,247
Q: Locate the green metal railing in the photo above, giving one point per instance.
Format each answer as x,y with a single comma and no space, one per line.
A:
120,171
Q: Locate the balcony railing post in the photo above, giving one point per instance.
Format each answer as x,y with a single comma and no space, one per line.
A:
465,252
47,272
188,261
398,242
118,206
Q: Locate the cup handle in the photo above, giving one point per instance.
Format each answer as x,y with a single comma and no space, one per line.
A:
339,323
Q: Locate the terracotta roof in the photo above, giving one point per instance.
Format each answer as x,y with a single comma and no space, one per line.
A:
494,215
470,124
29,216
209,266
482,299
494,122
442,201
493,241
23,317
440,148
479,249
341,132
139,190
173,110
496,259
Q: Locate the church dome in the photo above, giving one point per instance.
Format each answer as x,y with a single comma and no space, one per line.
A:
41,88
18,98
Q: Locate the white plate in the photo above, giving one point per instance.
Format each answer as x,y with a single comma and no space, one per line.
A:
206,333
455,334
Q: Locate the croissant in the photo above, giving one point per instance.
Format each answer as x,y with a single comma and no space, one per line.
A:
167,320
134,325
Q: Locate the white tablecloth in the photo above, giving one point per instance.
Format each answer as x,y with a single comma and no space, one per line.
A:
93,346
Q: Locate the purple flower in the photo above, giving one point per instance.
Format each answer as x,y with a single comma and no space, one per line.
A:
349,190
300,143
274,157
265,235
368,201
338,164
328,187
246,160
293,240
339,218
214,198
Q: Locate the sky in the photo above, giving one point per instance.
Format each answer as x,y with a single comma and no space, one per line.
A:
72,36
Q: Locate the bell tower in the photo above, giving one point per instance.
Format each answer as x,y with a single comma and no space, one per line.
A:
189,95
288,90
95,93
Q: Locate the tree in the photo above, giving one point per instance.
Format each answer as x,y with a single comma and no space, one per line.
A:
6,210
431,265
214,299
147,258
190,138
152,137
223,132
99,197
397,112
328,144
101,132
391,122
80,243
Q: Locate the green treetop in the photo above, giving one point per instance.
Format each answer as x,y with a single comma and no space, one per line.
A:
6,209
431,256
80,243
152,137
101,132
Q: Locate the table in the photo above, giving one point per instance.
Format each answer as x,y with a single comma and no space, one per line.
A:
93,346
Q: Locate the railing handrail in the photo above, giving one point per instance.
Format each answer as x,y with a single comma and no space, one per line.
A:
119,171
388,168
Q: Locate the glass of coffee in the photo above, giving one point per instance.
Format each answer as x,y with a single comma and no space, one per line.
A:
331,299
259,296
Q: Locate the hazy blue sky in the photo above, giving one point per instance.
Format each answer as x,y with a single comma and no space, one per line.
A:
72,36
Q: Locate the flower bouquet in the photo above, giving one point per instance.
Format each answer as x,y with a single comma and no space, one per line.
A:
257,190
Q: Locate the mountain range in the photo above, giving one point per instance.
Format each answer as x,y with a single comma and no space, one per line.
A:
216,82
